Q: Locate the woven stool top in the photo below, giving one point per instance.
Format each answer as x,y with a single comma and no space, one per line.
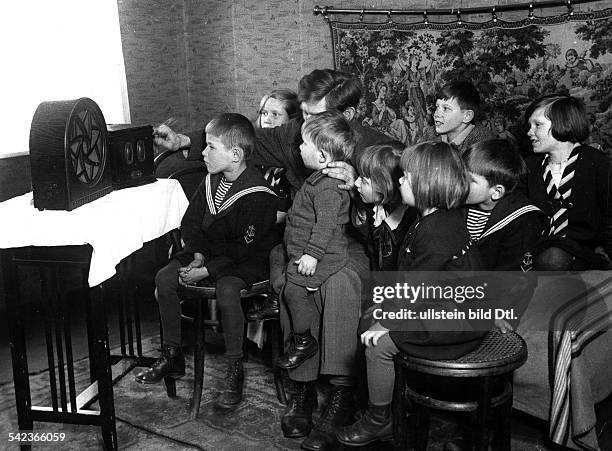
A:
497,354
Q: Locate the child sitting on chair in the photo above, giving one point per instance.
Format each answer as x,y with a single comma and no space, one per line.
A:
227,231
314,235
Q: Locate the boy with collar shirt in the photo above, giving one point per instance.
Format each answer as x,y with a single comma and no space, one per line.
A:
457,106
228,234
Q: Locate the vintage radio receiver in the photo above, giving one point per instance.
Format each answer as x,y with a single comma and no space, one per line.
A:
131,150
69,154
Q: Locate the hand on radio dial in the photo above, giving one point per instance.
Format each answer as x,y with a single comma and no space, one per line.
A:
167,139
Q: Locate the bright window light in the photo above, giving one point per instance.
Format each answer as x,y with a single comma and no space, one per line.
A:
59,50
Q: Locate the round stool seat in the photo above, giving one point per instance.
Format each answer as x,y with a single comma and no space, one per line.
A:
497,354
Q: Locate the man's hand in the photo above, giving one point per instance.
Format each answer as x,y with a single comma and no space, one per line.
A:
307,265
167,139
371,336
342,170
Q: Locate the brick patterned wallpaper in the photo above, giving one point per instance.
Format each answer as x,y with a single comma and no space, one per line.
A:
192,59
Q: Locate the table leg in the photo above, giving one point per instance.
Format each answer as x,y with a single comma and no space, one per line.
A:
101,365
17,342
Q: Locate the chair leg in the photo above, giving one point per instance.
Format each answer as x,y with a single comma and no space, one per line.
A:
421,427
400,425
170,383
274,333
482,416
198,362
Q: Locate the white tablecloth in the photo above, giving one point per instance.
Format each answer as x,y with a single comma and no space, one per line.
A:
114,225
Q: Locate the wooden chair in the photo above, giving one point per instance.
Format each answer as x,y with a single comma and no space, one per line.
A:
204,295
477,382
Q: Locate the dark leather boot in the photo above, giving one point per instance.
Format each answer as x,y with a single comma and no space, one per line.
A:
270,309
303,346
231,395
339,412
297,420
171,363
375,424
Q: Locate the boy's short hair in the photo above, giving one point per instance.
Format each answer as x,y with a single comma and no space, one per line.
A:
464,92
330,132
380,163
498,161
567,115
340,90
233,130
438,175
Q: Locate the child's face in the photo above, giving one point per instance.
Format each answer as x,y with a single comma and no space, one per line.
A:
449,116
540,132
481,191
366,190
313,158
273,114
217,156
406,189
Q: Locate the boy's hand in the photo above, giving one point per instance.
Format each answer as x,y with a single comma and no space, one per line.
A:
503,326
342,170
192,275
371,336
307,265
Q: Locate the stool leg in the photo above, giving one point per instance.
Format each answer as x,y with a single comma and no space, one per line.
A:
421,427
482,414
400,425
198,362
504,430
275,335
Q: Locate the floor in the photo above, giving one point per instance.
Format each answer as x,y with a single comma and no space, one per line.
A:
530,431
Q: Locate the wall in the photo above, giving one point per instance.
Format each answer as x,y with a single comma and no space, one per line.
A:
191,59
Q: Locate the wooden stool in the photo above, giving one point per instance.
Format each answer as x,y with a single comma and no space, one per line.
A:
201,294
477,382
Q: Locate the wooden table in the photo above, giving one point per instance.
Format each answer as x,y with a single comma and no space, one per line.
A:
97,238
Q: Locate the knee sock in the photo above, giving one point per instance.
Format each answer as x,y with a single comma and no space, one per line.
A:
232,317
166,282
381,371
300,302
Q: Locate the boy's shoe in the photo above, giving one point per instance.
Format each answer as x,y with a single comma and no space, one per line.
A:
297,420
171,363
338,412
270,309
375,424
231,395
303,346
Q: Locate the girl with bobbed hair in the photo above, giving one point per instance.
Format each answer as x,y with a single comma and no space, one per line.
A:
571,183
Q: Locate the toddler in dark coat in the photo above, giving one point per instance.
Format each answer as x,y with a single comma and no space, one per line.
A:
315,237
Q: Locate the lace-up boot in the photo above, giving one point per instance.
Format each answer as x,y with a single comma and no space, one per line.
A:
297,419
171,363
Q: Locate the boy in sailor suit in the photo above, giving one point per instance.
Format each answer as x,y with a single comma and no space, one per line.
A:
228,233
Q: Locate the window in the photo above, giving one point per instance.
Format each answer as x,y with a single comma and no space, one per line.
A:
59,50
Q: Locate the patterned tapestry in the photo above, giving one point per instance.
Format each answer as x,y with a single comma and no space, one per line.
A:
403,65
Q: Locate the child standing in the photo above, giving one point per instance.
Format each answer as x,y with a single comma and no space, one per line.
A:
385,216
315,238
435,182
227,235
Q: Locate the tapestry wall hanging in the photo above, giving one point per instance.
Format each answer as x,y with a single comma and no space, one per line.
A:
403,65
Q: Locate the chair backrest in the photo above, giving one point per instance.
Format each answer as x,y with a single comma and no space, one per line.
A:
173,165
